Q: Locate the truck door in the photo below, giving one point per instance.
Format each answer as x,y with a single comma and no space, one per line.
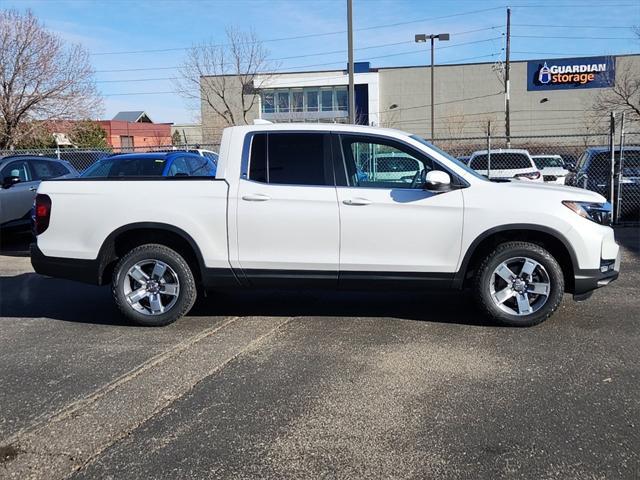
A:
287,211
391,227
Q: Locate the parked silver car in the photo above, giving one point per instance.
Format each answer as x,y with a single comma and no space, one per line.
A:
20,176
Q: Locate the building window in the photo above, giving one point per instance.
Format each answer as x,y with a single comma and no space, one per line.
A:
328,104
268,102
126,143
297,97
283,101
312,101
326,99
342,99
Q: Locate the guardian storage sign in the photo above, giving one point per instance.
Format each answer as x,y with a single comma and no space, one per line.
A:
571,73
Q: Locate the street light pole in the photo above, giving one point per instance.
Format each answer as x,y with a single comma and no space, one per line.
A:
422,38
433,134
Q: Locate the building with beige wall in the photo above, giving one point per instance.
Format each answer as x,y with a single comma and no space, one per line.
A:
467,97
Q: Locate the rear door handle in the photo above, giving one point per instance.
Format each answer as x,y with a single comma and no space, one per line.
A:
256,197
356,201
33,189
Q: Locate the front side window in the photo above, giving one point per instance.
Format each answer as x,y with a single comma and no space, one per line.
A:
381,163
18,169
290,159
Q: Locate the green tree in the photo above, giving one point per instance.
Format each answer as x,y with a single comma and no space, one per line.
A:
88,134
176,138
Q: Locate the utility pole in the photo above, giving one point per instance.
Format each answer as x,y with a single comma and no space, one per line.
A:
352,90
612,173
507,86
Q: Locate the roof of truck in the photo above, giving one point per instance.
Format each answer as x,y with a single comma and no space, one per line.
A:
319,127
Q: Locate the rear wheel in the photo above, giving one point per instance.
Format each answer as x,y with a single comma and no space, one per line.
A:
153,285
519,284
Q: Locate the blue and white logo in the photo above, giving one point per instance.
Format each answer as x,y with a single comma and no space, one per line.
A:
544,76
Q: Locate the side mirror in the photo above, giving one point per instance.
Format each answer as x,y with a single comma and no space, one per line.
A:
10,181
437,181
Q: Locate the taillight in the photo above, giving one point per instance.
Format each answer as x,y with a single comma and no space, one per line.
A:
530,175
42,213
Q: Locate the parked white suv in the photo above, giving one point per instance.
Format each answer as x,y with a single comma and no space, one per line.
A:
552,168
289,208
505,164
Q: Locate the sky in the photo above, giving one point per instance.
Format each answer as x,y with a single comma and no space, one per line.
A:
158,32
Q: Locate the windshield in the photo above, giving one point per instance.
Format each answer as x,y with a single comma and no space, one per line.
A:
543,162
448,157
126,167
500,161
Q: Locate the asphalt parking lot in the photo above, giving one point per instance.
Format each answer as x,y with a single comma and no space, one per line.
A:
316,385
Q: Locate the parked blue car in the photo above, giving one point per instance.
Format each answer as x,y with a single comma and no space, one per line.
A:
156,164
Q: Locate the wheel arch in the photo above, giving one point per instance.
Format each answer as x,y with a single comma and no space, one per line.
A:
126,237
546,237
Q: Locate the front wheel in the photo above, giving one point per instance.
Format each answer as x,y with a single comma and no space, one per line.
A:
519,284
153,285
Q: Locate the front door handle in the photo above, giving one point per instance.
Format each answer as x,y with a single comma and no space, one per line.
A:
356,201
256,197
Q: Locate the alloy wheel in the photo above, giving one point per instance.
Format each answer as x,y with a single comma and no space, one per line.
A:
151,287
520,286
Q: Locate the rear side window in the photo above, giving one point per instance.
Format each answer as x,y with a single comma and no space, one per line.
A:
129,167
501,161
43,169
290,159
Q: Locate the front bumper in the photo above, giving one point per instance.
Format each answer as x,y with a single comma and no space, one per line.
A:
85,271
586,281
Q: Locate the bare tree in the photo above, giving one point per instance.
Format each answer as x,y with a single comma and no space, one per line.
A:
227,76
41,77
623,96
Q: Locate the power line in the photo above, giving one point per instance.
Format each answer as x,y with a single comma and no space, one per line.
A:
297,67
334,52
311,35
571,26
574,5
573,38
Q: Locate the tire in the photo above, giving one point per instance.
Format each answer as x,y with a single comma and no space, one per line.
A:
153,286
505,301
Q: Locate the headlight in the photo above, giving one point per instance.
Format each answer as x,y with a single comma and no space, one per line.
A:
596,212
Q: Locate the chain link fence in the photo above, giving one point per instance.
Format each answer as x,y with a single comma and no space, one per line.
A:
81,159
583,161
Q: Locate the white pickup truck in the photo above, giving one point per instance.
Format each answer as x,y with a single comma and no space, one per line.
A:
296,206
